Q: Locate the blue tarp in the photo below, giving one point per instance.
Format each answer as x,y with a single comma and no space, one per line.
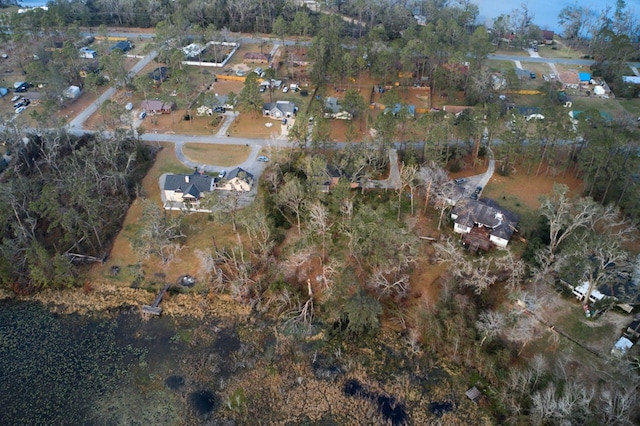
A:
3,91
585,76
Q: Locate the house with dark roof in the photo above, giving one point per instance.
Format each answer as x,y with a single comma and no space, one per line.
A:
122,45
332,176
238,180
279,109
547,36
156,106
483,223
159,75
185,191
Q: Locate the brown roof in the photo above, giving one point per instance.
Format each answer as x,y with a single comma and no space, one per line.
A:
153,105
478,238
257,56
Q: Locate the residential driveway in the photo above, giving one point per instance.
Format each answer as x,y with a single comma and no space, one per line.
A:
229,117
479,180
393,181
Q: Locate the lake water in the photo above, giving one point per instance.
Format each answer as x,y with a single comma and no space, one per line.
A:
68,369
545,11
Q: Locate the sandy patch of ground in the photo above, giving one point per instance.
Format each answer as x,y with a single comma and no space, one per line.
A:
241,67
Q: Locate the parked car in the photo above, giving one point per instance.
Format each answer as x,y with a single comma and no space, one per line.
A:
15,98
478,189
263,89
532,75
142,115
474,196
460,181
222,173
284,121
20,109
220,109
286,89
263,159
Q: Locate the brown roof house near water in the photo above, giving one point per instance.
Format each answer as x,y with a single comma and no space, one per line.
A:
483,224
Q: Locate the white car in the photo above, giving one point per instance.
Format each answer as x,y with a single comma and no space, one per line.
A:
20,109
15,98
286,89
263,158
222,173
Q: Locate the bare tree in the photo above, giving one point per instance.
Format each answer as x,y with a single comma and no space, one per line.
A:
159,234
565,215
431,177
618,404
474,273
408,178
292,196
320,223
490,324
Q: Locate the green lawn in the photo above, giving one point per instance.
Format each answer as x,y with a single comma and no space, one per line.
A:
631,106
611,106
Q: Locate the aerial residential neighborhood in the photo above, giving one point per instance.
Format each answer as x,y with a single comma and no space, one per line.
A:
309,212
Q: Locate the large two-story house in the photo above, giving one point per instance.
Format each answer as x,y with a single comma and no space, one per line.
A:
483,223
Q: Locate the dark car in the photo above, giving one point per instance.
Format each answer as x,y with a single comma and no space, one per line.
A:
220,109
478,189
474,196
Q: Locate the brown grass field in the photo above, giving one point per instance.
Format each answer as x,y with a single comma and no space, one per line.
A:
220,155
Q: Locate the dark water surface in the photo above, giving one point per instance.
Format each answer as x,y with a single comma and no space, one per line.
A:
67,369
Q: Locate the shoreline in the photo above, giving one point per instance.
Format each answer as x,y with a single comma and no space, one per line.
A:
106,298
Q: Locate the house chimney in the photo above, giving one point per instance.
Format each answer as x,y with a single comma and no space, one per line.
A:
186,178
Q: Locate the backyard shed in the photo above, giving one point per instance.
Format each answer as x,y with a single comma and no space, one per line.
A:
72,92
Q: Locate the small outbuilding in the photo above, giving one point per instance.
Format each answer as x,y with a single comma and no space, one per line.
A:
72,92
621,347
474,394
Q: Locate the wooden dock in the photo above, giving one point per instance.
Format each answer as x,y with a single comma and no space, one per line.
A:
154,309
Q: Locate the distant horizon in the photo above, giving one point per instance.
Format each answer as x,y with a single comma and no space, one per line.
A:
545,11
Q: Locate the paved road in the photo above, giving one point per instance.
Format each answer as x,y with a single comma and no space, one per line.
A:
79,120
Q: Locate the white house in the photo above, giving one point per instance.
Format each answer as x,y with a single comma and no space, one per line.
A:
581,291
483,223
237,179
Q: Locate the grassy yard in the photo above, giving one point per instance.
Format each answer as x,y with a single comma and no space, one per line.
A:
559,51
501,66
220,155
200,230
611,106
632,106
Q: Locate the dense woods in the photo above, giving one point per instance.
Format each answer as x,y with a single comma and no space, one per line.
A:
62,202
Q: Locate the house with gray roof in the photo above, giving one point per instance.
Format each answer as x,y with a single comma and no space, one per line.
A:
483,223
237,179
333,109
185,191
279,110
